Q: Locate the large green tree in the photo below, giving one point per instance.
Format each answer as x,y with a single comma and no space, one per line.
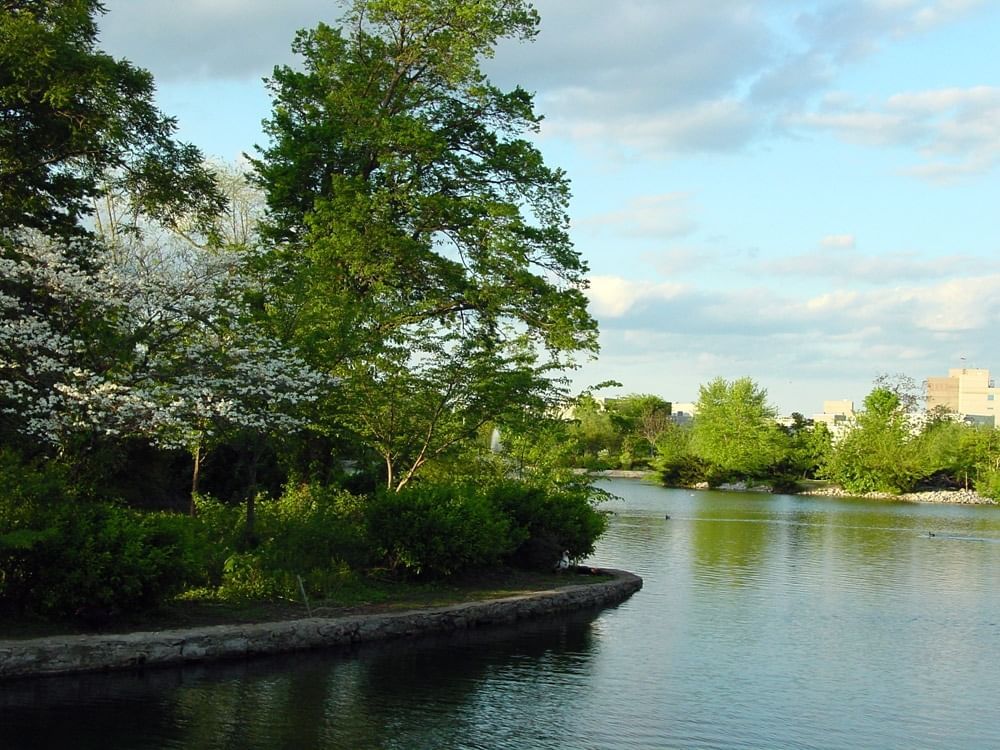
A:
413,226
734,428
878,453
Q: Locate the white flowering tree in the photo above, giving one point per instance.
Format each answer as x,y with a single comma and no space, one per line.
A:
144,342
56,375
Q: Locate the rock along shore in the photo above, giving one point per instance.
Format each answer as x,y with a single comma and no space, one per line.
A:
961,497
94,653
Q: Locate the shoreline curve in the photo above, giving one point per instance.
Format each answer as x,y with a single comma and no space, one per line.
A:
60,655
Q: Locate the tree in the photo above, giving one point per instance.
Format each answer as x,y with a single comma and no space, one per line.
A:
640,419
734,428
75,124
413,414
674,461
156,343
592,433
878,453
806,447
408,214
72,117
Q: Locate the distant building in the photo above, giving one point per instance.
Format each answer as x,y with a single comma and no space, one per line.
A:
682,412
837,416
968,392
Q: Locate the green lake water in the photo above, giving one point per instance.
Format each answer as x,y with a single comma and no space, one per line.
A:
764,622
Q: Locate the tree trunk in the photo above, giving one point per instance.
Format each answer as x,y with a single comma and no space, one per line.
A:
195,475
252,461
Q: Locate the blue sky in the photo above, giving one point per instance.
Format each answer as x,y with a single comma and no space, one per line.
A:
800,192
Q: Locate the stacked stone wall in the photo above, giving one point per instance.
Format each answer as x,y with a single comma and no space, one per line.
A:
89,653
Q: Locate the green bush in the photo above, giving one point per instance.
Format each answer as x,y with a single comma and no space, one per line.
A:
684,470
547,521
94,561
219,534
313,532
988,484
437,529
27,488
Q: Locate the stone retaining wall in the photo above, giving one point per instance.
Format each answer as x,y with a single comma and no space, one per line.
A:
89,653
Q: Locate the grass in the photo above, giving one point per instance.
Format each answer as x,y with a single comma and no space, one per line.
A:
369,596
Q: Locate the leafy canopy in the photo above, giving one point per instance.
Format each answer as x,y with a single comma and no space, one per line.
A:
876,454
734,428
418,237
72,117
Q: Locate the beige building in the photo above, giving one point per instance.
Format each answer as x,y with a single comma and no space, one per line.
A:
837,416
966,391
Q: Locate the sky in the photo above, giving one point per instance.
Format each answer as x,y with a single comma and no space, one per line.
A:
803,193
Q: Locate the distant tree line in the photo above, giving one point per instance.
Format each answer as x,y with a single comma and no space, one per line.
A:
889,446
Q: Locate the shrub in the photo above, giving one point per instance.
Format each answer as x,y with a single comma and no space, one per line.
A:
437,529
314,532
988,484
685,471
310,531
219,533
547,521
27,488
94,562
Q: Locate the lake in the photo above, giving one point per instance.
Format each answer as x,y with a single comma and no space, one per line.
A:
765,622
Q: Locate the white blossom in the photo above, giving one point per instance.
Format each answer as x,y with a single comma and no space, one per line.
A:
185,363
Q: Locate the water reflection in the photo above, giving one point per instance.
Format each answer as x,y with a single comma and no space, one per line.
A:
764,622
400,694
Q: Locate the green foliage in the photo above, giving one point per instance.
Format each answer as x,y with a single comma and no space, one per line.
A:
617,433
878,454
310,525
734,429
28,487
640,419
417,249
74,118
438,529
311,532
596,441
675,464
945,451
988,484
94,562
547,521
419,238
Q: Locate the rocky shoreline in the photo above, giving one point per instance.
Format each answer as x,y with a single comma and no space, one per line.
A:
959,497
98,653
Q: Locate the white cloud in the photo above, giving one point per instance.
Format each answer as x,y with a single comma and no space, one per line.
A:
831,344
902,316
613,297
847,265
650,216
209,39
649,77
956,131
